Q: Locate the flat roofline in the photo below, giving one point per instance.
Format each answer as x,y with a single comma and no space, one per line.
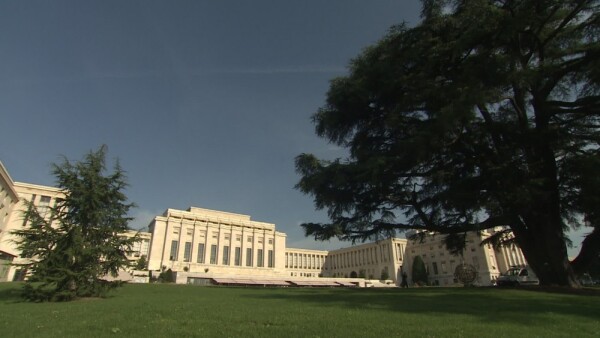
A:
215,217
38,186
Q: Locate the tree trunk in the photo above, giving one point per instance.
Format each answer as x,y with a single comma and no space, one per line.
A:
545,250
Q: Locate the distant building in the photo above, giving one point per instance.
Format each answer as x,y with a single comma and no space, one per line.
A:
42,197
141,247
203,246
382,259
441,264
8,201
206,243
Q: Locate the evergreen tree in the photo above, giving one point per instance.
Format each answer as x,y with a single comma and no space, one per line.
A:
79,243
485,114
419,271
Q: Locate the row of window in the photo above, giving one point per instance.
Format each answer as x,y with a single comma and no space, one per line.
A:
225,259
304,261
227,237
362,257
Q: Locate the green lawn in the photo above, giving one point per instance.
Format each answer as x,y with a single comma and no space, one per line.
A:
185,311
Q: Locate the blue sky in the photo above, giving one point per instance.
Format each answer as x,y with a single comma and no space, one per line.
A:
205,103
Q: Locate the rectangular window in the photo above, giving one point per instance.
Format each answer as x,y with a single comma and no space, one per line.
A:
200,253
238,238
435,269
187,252
444,267
249,239
215,234
249,257
43,205
176,231
259,257
238,256
174,247
270,258
213,254
261,239
190,232
270,240
226,255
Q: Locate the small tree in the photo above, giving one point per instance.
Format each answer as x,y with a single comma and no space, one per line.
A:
419,272
141,263
384,274
79,243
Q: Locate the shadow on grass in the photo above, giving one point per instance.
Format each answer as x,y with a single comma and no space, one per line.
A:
487,304
10,292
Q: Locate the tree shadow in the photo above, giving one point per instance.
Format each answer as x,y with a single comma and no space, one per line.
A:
487,304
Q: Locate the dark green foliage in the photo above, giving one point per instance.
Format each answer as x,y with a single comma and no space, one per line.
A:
485,114
384,275
419,272
79,243
166,276
141,263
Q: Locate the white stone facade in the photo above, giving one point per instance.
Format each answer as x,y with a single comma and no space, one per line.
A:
199,244
205,243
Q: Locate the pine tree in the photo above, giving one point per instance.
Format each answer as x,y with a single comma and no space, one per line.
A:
79,243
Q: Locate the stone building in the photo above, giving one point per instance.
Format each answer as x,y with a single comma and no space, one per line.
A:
202,245
440,263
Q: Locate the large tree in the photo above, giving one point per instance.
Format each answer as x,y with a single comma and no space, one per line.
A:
79,243
485,114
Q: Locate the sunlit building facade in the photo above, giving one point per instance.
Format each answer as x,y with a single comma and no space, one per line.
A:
440,264
202,245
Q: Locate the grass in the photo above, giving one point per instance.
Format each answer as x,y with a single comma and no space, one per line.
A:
185,311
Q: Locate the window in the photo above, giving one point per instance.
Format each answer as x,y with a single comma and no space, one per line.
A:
238,238
215,235
44,205
226,255
238,256
190,232
261,240
259,257
213,254
271,262
176,231
249,257
443,267
227,237
270,240
200,253
174,247
435,269
249,239
187,252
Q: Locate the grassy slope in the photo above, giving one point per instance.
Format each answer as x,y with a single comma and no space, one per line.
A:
184,311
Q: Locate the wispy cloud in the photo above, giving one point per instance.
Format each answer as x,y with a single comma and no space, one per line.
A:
142,218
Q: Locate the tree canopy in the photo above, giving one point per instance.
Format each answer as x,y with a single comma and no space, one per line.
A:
78,244
485,114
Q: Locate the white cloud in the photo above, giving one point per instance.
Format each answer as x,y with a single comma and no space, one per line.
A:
142,218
